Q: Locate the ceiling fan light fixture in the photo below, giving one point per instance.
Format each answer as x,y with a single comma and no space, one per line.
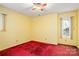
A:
39,6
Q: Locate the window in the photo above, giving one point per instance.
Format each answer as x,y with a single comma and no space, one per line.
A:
66,27
2,22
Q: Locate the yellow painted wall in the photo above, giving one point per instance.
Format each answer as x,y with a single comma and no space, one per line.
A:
73,40
78,29
45,28
17,28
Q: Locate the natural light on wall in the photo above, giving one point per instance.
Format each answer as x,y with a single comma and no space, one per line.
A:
2,22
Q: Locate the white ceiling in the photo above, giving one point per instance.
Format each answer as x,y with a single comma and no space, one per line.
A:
26,8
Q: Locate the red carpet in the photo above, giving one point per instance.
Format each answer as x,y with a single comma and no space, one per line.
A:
34,48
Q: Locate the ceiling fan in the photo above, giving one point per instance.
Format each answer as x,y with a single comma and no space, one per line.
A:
39,6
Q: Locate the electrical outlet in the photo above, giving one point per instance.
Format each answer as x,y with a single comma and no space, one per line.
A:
17,40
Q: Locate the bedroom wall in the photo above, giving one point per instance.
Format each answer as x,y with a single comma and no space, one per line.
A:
17,28
45,28
78,29
74,38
